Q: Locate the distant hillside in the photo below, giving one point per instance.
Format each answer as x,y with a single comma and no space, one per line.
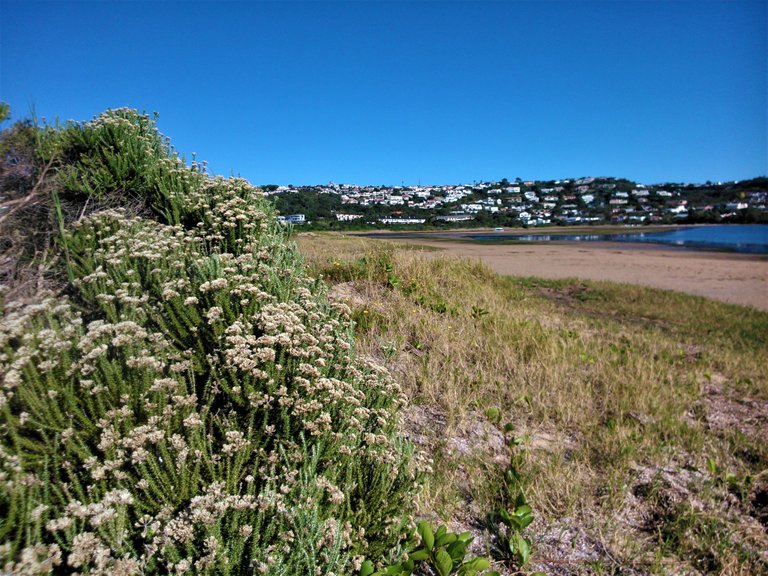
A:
522,203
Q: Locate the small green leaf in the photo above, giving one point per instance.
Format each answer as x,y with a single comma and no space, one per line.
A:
443,563
504,515
514,522
522,510
427,537
493,414
523,549
419,555
445,539
441,531
511,545
367,568
457,550
478,564
525,522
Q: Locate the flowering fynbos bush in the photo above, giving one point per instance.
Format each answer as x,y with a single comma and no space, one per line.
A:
191,402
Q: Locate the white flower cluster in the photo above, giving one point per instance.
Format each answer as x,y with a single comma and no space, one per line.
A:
209,409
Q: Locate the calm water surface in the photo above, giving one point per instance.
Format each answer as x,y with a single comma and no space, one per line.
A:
749,238
744,238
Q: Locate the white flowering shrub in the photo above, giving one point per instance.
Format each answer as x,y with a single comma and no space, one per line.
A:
191,402
119,153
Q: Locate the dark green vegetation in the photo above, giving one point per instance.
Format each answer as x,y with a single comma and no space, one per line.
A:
628,422
178,396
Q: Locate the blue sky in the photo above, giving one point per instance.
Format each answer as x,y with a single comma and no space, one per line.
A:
401,92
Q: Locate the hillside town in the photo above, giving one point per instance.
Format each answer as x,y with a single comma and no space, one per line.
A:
589,200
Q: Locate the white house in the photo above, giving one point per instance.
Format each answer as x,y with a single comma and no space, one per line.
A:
292,219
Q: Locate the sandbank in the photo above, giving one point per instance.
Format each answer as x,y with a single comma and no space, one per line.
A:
728,277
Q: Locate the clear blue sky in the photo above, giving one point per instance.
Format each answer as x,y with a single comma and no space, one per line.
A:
391,92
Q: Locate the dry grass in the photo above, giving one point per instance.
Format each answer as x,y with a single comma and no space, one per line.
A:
608,387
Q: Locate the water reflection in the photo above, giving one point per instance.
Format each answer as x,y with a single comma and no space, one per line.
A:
751,239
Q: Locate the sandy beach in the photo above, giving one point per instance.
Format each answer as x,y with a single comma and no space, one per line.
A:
733,278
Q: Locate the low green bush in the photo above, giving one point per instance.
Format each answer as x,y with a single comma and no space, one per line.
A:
438,552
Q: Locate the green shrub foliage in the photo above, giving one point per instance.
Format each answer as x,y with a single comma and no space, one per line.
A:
191,402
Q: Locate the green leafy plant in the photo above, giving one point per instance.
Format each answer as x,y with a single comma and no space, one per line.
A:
5,111
516,519
514,514
478,312
393,280
436,552
736,484
493,414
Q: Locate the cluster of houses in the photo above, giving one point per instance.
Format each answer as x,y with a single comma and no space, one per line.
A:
585,200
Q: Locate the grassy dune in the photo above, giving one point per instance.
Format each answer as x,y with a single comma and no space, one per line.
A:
635,418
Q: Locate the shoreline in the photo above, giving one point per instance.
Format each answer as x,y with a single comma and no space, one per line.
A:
598,228
577,234
729,277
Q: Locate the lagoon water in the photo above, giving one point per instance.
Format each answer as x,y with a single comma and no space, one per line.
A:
747,238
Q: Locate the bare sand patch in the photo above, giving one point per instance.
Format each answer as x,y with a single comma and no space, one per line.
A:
734,278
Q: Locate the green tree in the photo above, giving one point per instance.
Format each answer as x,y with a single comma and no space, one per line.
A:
5,111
